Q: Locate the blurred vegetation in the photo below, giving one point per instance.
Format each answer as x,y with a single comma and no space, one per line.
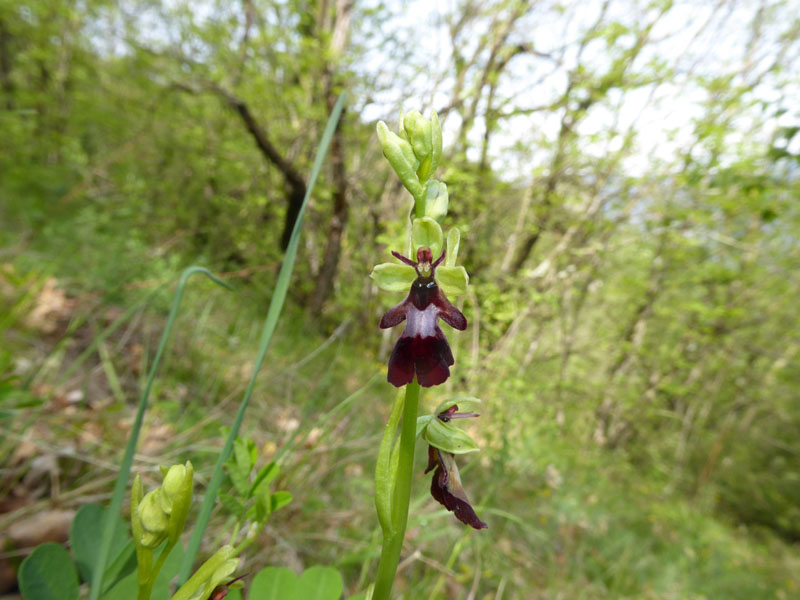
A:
633,308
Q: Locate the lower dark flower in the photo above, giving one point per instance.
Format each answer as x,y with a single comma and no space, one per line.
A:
446,487
422,349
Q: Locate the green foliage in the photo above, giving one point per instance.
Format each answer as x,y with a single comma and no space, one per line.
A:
87,528
632,304
280,583
49,574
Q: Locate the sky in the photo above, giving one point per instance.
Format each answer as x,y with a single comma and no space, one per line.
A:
694,39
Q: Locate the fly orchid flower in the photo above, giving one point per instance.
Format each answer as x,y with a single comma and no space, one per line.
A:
446,487
422,349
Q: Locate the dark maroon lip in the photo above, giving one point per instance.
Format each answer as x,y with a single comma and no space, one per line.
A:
423,349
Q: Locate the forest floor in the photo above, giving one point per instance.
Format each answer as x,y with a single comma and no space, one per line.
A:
566,520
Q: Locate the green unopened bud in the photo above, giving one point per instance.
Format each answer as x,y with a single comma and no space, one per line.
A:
153,519
401,156
436,200
177,492
173,480
419,133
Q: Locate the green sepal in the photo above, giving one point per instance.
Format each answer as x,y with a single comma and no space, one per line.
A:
393,277
436,200
448,438
453,243
452,280
464,403
428,233
422,423
211,573
401,156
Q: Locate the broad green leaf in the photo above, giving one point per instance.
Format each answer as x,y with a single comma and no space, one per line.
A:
448,437
321,583
276,583
426,232
48,574
393,277
87,527
452,280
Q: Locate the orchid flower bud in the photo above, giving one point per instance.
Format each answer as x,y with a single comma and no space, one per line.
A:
177,490
400,155
153,519
419,132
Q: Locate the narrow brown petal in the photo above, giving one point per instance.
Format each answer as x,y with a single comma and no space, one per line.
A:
446,488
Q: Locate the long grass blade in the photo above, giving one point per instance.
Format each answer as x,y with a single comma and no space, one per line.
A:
127,459
271,321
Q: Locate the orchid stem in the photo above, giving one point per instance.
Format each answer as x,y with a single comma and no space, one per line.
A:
393,541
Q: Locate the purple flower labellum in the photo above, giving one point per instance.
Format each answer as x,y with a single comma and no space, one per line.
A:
447,490
422,349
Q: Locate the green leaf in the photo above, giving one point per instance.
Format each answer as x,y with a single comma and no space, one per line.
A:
426,232
87,527
393,277
449,438
453,243
48,574
231,504
265,476
321,583
262,507
275,583
280,499
452,280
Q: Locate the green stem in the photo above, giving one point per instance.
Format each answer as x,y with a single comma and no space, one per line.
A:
393,543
